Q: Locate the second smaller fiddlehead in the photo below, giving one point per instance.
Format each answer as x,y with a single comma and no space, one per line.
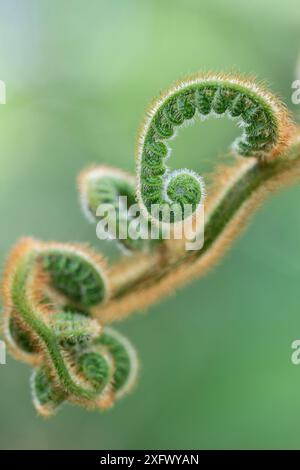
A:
108,194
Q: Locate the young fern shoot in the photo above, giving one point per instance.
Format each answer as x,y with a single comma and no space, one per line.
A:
261,116
58,298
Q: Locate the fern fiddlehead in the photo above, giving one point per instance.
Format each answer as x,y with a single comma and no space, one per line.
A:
260,115
58,298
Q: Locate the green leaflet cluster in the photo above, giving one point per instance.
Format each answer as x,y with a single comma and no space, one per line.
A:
75,277
75,359
254,112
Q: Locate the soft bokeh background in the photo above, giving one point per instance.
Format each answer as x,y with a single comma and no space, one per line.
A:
216,369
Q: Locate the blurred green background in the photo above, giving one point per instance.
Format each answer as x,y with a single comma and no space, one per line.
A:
216,369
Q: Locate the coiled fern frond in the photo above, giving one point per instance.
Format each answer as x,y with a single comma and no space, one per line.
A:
263,119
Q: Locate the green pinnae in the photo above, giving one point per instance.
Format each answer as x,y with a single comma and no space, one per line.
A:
162,126
156,148
186,106
75,277
44,393
237,105
73,329
21,337
203,100
173,112
150,173
221,100
95,368
118,348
